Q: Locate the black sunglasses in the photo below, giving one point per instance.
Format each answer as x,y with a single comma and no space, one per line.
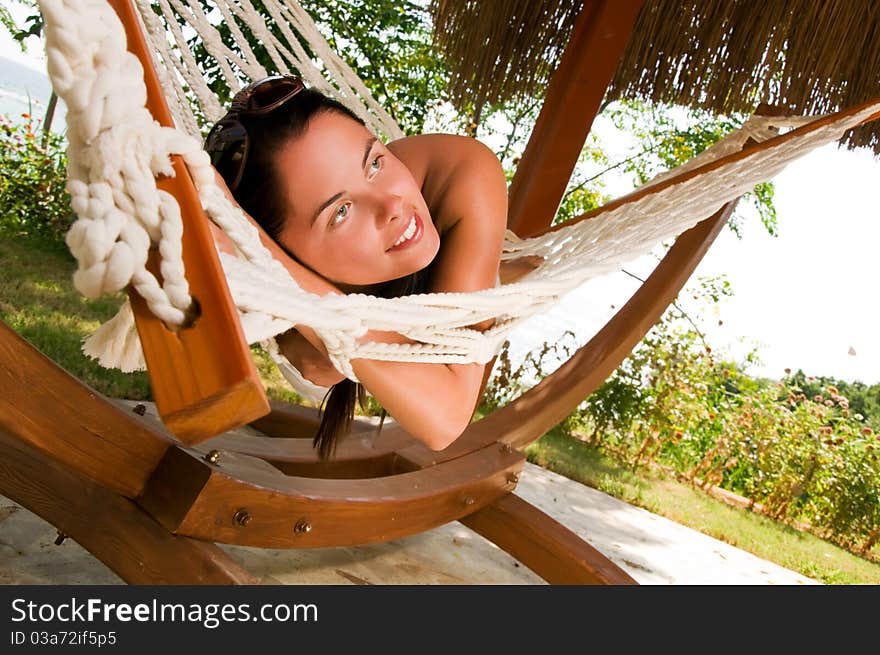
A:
227,143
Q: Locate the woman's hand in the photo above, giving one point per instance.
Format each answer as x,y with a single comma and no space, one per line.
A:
312,364
308,280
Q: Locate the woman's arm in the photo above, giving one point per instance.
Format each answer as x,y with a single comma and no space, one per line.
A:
464,186
300,344
305,278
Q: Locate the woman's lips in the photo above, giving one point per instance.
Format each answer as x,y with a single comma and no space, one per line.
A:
414,229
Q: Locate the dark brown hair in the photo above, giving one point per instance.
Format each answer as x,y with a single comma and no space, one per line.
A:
259,194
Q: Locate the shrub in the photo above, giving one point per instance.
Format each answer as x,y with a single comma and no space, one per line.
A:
795,446
33,198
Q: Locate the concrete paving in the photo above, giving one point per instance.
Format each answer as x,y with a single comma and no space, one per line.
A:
652,549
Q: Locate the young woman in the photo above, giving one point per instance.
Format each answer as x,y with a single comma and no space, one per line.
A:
346,213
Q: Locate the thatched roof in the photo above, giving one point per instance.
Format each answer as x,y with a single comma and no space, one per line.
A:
810,56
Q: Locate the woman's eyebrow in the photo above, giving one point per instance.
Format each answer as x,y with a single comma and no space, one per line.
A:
324,206
367,150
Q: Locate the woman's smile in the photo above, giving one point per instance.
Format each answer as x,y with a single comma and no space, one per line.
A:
411,234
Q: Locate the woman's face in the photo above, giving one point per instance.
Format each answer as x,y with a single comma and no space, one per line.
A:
356,216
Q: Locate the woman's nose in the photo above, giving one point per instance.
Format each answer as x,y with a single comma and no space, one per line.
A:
390,208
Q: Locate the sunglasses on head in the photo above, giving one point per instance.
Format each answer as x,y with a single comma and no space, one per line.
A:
227,143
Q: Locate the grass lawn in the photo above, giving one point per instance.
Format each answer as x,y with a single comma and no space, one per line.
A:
658,493
38,301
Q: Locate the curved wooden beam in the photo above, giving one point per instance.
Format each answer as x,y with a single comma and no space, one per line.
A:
53,412
245,501
556,396
355,457
365,452
551,400
528,417
112,528
544,545
288,420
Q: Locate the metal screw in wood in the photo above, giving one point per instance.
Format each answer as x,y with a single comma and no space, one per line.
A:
512,478
506,449
213,457
470,500
139,409
241,517
302,526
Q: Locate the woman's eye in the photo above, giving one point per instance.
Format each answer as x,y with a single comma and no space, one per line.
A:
340,215
376,164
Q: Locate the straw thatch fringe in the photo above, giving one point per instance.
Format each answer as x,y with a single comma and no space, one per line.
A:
501,49
730,55
807,56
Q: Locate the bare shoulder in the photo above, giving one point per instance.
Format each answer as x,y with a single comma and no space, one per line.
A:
453,172
439,154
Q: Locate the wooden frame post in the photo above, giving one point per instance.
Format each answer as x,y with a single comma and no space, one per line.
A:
203,377
575,93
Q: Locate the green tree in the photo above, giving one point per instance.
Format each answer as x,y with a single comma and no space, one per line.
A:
388,44
32,25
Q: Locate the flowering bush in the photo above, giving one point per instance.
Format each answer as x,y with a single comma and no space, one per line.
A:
33,198
803,458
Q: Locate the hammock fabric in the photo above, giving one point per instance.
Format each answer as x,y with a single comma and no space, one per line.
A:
116,151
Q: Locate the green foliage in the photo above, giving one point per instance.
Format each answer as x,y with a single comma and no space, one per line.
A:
803,458
33,24
661,137
659,493
667,136
38,301
864,400
509,381
7,21
33,166
795,447
388,44
586,190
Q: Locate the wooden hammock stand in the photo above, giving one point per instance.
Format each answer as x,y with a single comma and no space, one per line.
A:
151,505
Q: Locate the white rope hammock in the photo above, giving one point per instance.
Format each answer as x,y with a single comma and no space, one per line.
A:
116,150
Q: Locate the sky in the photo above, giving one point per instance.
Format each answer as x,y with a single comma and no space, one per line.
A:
807,298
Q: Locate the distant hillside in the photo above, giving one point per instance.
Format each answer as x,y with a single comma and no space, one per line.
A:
24,89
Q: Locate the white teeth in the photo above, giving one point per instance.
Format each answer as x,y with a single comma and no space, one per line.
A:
408,233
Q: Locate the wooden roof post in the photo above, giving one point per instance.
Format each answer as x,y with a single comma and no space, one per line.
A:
575,93
203,377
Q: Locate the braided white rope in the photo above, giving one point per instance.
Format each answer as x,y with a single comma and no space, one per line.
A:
116,149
